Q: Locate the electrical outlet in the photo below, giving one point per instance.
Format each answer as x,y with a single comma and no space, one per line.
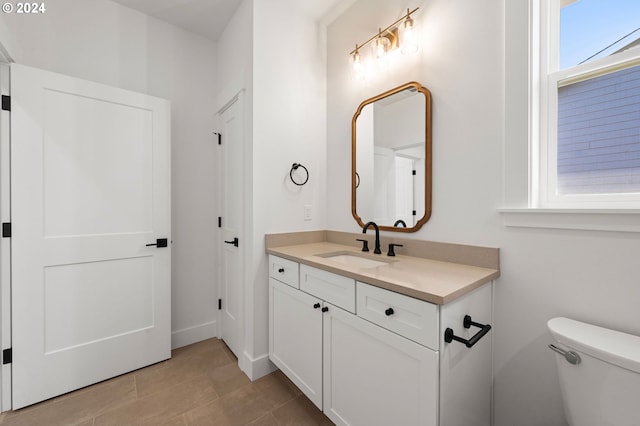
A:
307,212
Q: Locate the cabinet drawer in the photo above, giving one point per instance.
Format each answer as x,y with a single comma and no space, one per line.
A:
414,319
333,288
283,270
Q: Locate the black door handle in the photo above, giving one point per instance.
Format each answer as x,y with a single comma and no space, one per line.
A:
234,242
160,242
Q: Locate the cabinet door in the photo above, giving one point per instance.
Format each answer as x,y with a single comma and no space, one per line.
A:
295,337
375,377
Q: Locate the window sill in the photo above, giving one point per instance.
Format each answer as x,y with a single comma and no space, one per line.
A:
613,220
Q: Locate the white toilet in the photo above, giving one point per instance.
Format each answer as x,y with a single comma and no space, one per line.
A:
599,372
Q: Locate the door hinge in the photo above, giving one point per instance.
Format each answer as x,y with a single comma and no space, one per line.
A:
413,172
219,222
219,304
6,103
7,356
414,212
219,137
6,230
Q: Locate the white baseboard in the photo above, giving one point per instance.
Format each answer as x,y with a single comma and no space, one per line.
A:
194,334
255,368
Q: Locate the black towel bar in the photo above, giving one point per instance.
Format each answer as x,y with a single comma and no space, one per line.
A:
484,329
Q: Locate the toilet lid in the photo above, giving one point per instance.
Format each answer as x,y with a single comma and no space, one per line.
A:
612,346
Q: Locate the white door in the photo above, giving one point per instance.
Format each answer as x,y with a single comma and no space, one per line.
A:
90,175
384,202
404,191
232,170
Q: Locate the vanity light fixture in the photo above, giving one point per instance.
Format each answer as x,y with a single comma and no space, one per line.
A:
386,40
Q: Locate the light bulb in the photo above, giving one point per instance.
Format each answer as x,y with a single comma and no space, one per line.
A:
379,48
357,66
380,45
408,36
356,62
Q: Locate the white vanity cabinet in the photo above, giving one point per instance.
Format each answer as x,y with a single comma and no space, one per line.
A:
369,356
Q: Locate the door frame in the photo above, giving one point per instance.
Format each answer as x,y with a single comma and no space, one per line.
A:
235,93
5,243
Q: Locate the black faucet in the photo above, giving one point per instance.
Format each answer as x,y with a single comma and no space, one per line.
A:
376,250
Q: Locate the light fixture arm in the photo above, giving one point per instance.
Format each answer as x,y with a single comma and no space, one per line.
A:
405,16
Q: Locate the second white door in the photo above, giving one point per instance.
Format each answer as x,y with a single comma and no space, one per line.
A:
233,242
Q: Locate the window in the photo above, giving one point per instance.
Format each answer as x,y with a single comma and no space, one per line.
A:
588,107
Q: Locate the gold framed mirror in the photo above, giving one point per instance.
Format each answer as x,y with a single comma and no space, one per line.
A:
391,159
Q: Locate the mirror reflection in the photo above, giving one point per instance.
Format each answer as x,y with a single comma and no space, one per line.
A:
391,159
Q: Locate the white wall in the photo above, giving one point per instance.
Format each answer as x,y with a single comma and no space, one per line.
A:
105,42
289,119
587,275
234,68
400,123
284,79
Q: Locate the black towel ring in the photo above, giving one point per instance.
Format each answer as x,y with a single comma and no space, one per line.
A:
295,166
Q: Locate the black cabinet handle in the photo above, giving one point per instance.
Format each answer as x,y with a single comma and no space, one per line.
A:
281,270
325,309
389,312
467,322
316,306
160,242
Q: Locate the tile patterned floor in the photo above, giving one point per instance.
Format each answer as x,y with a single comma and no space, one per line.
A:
200,385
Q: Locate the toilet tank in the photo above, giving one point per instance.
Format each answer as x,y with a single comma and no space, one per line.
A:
604,387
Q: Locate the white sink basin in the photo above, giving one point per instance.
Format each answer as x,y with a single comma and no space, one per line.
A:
355,260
